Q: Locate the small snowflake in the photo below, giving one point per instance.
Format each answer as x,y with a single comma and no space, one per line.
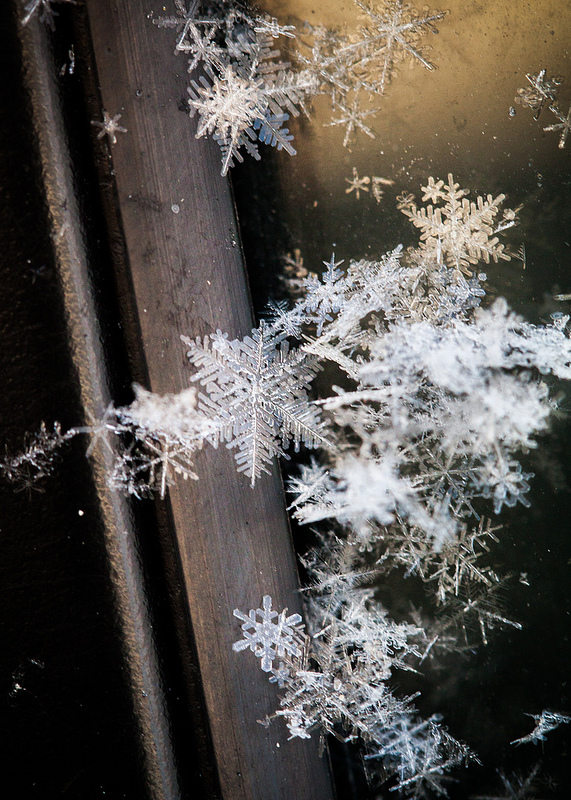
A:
564,124
272,635
352,118
544,723
541,90
376,184
109,127
515,786
45,11
357,184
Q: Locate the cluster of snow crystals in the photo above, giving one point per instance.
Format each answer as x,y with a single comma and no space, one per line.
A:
159,436
335,681
255,399
27,468
241,90
351,66
544,723
244,93
440,397
420,752
542,91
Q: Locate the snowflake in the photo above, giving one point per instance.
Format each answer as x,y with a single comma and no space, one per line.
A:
515,787
109,127
256,392
461,229
45,11
201,46
352,118
273,635
357,184
541,90
544,723
323,297
166,431
392,33
241,106
564,124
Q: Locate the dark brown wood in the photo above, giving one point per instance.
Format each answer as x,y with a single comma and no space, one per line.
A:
85,340
188,278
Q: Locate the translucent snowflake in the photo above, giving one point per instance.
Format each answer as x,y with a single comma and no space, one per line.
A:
357,184
515,787
352,118
256,393
392,32
544,723
564,124
272,635
461,229
541,90
45,11
109,126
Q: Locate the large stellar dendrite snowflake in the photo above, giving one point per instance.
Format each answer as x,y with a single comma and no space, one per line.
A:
463,231
255,391
392,32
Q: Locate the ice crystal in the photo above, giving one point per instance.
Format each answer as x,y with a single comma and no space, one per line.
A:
564,124
541,90
241,90
418,752
255,392
160,435
352,66
26,469
357,184
109,127
464,230
244,93
544,723
392,32
336,683
515,787
45,11
351,116
271,636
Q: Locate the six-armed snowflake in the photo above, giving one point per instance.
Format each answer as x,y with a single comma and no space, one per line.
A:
272,635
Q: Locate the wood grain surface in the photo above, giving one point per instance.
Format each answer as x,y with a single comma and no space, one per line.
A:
188,277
